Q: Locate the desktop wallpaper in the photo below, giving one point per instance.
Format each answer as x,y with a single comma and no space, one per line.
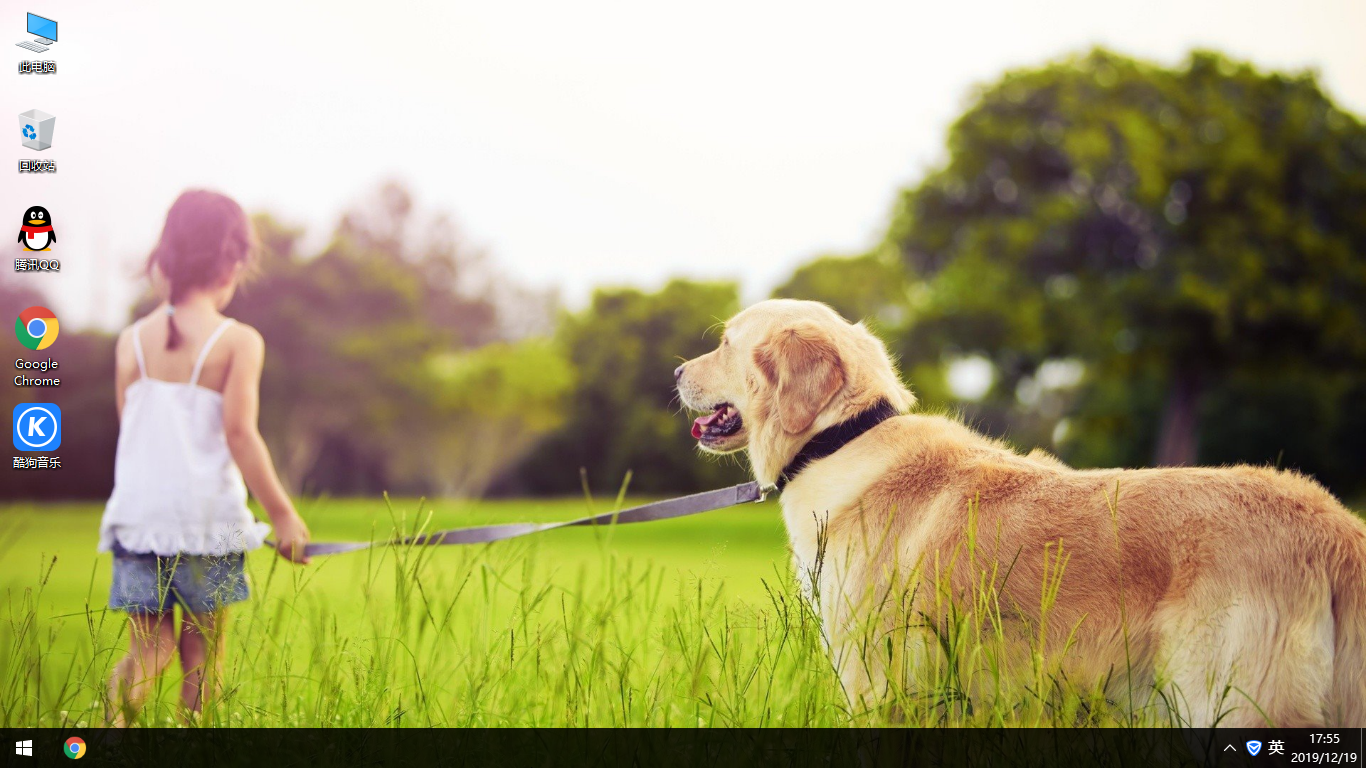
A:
1122,235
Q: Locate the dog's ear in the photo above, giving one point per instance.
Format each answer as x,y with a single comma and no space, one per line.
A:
803,366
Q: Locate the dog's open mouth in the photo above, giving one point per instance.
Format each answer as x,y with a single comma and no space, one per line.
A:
723,421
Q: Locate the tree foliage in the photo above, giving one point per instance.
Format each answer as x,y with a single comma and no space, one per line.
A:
868,287
387,353
623,416
488,408
1179,226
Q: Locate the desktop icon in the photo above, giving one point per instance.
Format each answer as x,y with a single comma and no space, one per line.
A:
38,427
35,230
36,126
44,32
75,748
36,328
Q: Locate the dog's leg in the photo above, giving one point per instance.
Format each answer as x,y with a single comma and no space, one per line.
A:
875,625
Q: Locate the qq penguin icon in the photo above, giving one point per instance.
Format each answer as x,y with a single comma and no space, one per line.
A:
37,427
35,231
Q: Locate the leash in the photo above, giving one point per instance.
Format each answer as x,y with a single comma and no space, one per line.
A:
707,501
825,443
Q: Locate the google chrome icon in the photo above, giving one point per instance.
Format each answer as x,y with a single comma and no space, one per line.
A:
36,327
75,748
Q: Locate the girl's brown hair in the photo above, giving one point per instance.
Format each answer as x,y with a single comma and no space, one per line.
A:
206,237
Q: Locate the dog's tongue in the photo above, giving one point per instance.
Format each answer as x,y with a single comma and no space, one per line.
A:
705,421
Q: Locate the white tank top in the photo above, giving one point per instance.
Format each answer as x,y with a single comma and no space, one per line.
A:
176,487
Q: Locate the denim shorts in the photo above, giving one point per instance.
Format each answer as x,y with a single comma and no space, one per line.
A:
151,583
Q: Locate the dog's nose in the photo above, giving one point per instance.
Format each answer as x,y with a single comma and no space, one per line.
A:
678,372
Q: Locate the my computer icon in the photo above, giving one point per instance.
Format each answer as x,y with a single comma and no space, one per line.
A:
44,29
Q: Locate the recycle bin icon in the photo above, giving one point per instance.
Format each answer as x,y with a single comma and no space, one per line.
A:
37,125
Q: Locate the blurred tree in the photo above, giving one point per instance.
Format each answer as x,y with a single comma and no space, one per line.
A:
347,336
491,404
466,295
622,415
869,287
455,279
1178,227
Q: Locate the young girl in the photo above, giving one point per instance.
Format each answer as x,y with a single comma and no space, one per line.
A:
187,382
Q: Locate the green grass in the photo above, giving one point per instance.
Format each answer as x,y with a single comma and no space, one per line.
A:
671,623
690,622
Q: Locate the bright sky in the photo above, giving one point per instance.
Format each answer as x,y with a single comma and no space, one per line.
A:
580,143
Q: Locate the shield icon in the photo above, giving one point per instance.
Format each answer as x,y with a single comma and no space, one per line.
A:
1254,747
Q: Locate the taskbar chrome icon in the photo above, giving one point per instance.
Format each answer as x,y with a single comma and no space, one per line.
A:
36,127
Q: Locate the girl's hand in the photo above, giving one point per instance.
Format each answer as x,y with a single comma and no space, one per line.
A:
291,536
241,412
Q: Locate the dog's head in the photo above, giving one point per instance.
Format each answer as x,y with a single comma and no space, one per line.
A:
784,371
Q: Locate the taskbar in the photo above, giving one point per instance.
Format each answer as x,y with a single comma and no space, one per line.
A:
660,748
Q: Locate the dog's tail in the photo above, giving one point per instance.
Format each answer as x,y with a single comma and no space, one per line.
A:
1348,703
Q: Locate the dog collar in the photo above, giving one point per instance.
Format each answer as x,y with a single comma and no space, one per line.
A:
831,439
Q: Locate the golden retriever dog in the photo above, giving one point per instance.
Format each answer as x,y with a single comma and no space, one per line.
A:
1234,596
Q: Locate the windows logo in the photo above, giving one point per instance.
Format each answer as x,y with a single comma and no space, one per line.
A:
24,748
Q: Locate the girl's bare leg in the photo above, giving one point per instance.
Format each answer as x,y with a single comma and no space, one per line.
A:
151,647
201,657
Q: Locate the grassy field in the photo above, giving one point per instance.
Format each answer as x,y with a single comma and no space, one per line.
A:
692,622
688,622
